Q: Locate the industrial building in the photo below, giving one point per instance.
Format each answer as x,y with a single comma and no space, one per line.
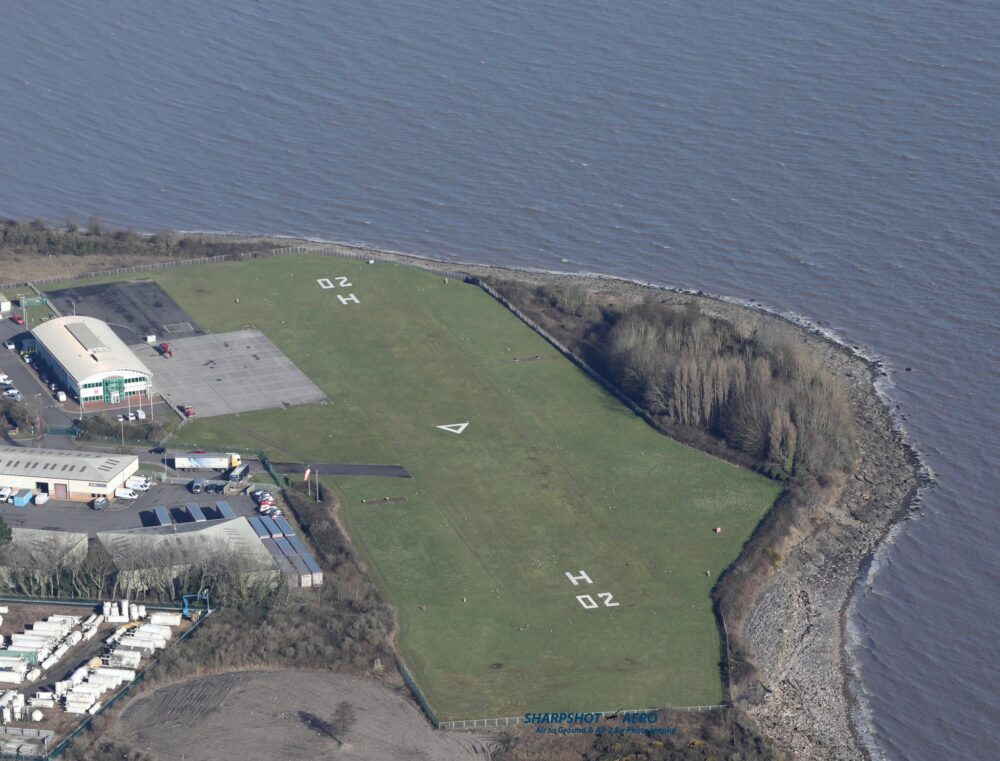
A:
91,362
151,558
77,476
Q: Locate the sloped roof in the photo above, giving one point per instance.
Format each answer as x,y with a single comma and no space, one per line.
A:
86,346
185,543
42,464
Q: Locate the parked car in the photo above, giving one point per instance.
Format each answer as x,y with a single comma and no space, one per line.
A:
17,318
5,380
197,485
12,393
99,504
131,416
10,345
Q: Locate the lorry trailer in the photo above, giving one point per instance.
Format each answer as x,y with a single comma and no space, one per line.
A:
204,461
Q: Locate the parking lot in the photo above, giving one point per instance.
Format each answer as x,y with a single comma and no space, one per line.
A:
79,517
25,378
226,373
133,308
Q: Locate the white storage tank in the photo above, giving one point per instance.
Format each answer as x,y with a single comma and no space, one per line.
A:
165,618
37,715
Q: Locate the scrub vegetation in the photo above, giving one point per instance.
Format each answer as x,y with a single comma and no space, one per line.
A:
38,237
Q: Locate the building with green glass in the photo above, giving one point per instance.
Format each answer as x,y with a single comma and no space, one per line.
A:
91,362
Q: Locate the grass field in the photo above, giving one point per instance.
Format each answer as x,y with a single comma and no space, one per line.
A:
551,476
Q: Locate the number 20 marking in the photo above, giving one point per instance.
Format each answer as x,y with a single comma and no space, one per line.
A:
326,284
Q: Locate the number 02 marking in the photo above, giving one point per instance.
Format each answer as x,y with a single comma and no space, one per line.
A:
589,603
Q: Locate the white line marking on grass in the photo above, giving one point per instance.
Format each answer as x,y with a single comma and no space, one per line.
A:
454,427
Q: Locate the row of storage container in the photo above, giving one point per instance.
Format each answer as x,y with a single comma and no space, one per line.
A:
196,512
288,551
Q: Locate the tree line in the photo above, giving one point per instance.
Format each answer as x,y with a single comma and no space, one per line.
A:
71,239
737,381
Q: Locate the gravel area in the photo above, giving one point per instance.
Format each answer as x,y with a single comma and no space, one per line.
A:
267,715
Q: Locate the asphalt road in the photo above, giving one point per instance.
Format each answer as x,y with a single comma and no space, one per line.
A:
79,517
133,309
383,471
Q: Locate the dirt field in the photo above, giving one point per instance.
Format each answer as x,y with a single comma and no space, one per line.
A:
258,716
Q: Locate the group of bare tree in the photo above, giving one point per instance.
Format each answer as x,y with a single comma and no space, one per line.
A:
24,416
764,396
737,381
57,566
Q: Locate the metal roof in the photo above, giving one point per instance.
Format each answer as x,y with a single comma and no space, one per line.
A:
58,464
86,337
86,346
185,543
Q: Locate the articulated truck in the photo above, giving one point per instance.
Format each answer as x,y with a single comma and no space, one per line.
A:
204,461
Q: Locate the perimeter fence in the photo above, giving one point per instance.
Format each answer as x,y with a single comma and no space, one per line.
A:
328,250
465,725
61,748
428,711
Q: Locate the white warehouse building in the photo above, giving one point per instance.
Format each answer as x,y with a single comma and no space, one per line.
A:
76,476
91,362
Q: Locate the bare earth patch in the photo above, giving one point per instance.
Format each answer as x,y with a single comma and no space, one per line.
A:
21,267
269,715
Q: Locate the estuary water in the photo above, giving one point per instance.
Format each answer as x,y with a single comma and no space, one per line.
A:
836,160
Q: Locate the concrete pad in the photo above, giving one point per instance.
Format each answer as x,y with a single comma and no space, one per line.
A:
227,373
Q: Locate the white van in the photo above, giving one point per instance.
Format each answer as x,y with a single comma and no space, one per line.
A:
140,414
12,393
123,493
5,493
137,483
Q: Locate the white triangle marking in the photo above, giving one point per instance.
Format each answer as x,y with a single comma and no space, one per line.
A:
454,427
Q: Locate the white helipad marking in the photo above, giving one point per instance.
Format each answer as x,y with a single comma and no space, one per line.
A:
454,427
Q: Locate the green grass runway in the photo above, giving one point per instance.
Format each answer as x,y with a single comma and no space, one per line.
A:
552,475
